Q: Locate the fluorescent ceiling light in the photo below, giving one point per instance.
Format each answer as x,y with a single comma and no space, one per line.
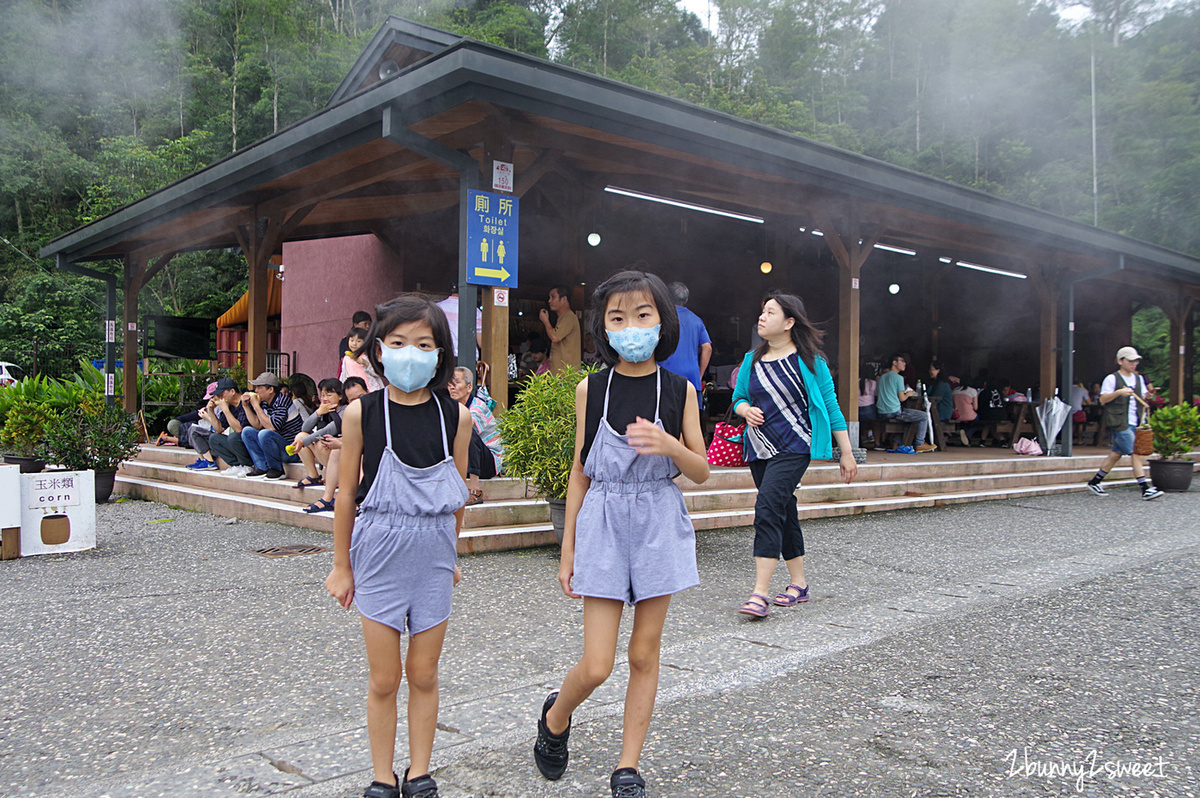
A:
817,233
681,204
991,270
946,260
901,250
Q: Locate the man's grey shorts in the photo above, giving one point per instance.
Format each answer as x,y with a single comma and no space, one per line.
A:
1122,440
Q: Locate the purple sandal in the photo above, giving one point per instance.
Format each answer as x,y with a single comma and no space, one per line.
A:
786,599
755,606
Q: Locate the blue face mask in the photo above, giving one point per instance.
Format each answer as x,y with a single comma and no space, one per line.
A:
635,344
408,368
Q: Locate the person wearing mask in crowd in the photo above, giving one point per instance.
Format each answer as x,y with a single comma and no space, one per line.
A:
395,530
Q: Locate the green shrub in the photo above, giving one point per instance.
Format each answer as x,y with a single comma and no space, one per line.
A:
1176,431
539,432
96,439
25,426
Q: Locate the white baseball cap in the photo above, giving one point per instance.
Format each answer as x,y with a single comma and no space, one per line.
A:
1128,353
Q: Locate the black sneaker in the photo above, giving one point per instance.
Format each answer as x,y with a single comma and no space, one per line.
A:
274,473
1097,488
255,473
379,789
626,783
1150,492
420,787
550,750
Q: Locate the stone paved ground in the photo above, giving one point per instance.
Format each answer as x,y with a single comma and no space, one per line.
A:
960,651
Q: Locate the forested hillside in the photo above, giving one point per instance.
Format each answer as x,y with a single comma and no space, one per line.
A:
102,101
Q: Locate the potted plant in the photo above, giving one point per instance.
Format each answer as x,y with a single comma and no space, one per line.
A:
21,437
93,437
1176,430
539,437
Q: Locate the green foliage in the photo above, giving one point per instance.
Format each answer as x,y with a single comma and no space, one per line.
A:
96,439
1176,431
539,431
57,396
25,426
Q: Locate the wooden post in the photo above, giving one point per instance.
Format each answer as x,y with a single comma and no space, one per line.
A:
850,250
1178,312
495,347
1049,297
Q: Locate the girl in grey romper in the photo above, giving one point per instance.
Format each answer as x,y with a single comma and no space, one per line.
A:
627,537
396,559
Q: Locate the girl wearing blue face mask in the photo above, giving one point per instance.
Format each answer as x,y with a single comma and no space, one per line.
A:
397,559
627,537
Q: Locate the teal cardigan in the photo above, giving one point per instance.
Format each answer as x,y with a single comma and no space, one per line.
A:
824,416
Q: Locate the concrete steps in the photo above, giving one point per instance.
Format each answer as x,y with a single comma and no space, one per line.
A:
510,518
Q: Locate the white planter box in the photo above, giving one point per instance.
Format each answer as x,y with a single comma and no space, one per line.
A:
58,512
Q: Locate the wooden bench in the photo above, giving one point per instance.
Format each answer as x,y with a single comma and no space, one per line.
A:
881,429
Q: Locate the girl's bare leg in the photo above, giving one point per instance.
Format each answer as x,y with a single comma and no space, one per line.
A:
383,661
645,645
308,458
601,623
424,651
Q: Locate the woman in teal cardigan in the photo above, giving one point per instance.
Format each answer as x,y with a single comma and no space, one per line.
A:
786,394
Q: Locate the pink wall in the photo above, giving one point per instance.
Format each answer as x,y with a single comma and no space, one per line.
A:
325,281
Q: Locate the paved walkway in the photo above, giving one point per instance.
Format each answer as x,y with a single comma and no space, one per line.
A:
975,650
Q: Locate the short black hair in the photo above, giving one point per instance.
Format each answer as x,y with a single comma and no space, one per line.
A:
407,308
629,281
360,318
359,381
562,291
892,358
333,385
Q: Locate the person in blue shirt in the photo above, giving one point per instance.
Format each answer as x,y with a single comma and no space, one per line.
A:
691,355
891,392
785,392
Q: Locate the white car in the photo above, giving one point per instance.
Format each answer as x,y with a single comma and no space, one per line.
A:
10,373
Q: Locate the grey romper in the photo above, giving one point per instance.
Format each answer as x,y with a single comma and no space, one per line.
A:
403,548
633,536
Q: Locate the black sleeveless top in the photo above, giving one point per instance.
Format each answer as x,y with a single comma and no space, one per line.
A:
632,397
416,433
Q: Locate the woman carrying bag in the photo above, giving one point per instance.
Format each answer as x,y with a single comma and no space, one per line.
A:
786,394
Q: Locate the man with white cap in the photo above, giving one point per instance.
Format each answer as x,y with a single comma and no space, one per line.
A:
1122,394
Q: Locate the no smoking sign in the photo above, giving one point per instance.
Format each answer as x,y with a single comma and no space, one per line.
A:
500,297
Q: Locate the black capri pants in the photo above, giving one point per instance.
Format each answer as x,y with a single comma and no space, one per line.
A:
776,522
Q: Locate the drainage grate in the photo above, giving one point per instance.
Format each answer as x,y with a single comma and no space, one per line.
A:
290,551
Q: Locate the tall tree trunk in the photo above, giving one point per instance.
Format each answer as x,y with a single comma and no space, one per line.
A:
20,220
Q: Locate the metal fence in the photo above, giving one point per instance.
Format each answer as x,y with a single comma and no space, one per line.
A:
52,359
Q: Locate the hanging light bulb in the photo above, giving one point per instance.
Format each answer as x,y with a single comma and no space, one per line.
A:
765,267
894,288
593,239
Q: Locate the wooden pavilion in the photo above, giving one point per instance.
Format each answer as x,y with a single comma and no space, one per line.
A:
424,114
